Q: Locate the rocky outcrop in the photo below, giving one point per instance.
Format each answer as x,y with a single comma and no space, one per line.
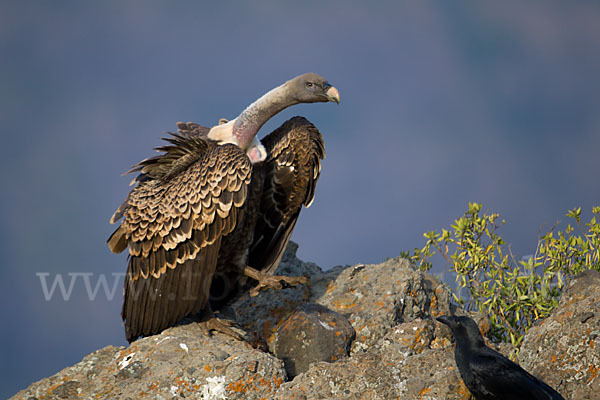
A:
409,362
179,363
564,349
383,344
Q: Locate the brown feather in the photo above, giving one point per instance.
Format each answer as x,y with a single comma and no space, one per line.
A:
117,242
295,153
168,258
159,316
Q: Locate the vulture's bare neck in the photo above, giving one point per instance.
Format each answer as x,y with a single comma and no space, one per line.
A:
244,128
249,122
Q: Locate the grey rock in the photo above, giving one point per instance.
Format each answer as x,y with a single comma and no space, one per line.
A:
400,351
563,350
133,370
67,390
410,362
584,317
361,378
375,298
312,333
180,362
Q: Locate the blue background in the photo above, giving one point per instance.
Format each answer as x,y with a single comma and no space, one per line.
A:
442,103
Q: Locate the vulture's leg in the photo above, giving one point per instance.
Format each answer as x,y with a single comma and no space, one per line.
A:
209,322
276,282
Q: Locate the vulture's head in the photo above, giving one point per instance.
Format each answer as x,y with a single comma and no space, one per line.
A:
464,329
312,88
307,88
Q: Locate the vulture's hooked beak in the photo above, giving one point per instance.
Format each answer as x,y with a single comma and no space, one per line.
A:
332,94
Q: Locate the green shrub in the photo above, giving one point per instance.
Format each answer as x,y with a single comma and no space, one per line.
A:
513,294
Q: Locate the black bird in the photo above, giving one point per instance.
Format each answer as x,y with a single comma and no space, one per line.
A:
488,374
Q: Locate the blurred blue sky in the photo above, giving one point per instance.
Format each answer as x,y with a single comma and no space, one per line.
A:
442,103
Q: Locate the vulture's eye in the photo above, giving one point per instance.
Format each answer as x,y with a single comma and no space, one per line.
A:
309,84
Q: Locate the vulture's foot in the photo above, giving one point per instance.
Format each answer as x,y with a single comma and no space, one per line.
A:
224,326
277,282
211,323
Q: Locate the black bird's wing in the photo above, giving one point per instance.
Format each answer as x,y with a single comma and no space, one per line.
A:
291,171
184,202
494,373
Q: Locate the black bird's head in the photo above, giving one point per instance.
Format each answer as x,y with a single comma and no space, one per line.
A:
464,329
312,88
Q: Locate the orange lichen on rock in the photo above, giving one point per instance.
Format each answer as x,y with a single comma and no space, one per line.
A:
593,372
423,392
433,305
418,342
252,384
51,388
330,287
154,385
344,304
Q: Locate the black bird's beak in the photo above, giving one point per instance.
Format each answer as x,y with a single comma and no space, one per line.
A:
444,320
332,93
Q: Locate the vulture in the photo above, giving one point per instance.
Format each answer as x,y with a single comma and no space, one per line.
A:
217,202
488,374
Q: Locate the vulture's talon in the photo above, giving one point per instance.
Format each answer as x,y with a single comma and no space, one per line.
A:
276,282
224,326
209,323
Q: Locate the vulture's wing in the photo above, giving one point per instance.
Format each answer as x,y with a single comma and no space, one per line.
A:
291,172
185,201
